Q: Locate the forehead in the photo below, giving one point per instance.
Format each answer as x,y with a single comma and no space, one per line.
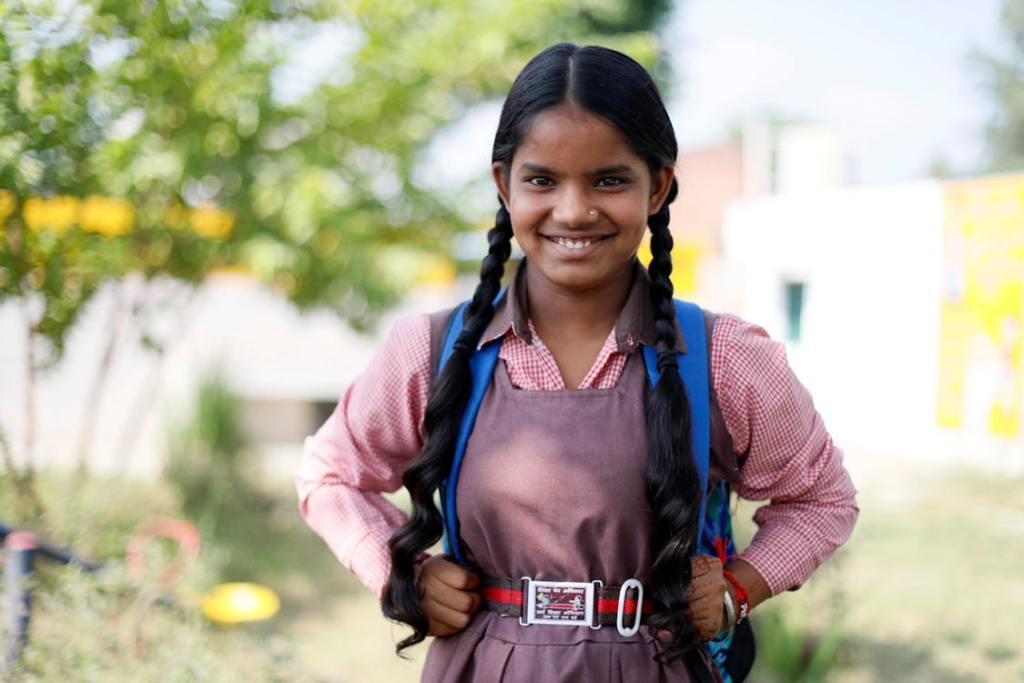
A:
569,136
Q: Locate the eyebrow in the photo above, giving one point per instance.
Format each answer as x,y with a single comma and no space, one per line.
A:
614,170
607,170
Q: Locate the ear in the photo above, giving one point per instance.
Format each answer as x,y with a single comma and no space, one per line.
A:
500,172
661,183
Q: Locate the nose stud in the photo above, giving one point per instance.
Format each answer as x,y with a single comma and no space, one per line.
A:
592,213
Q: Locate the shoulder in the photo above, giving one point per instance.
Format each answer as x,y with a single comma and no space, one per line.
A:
735,340
405,350
437,321
743,355
757,389
409,331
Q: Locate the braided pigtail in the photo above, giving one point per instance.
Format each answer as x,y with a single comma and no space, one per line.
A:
445,405
673,485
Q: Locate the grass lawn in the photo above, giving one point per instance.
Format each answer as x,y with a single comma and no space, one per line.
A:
934,580
930,588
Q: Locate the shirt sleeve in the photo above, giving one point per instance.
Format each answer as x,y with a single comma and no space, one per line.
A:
785,456
363,449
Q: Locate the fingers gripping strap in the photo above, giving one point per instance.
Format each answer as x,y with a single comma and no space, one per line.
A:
693,369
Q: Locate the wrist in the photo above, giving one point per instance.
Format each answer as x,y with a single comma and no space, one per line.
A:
740,599
753,583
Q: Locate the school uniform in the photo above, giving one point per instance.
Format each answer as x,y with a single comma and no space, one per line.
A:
553,483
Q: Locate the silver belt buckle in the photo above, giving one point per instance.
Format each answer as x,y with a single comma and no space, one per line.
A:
559,602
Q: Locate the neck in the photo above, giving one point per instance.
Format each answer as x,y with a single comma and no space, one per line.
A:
559,312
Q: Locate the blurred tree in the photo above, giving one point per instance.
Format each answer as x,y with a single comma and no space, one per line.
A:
176,136
1003,74
171,138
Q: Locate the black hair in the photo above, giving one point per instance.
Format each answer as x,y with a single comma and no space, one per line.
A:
616,88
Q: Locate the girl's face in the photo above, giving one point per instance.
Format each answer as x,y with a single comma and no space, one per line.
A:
579,198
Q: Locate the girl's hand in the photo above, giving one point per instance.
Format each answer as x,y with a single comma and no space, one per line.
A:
706,595
450,595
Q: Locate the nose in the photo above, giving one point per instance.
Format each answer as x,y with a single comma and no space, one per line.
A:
573,207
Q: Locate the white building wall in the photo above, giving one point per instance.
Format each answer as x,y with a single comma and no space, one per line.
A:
871,260
279,361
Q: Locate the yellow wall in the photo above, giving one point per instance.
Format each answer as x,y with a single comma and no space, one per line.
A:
982,306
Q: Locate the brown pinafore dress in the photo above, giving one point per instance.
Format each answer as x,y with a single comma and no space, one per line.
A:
553,487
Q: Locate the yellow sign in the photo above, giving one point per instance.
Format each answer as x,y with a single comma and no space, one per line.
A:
685,258
982,306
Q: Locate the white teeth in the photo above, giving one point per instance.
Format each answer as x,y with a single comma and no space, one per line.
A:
572,244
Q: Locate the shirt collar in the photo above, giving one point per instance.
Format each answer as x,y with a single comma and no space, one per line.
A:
634,326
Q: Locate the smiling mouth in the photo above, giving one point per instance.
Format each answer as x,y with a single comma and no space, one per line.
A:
581,243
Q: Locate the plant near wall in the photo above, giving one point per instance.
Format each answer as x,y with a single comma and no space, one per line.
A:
791,650
213,470
210,462
796,644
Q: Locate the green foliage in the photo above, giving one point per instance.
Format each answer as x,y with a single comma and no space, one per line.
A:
18,486
173,137
110,627
792,650
209,461
117,625
803,637
1003,79
216,476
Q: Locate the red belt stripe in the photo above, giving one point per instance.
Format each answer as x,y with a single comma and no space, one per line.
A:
502,595
508,596
610,605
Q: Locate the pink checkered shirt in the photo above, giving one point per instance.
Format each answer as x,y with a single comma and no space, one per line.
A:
785,454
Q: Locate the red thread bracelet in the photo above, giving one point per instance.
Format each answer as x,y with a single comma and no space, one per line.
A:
743,601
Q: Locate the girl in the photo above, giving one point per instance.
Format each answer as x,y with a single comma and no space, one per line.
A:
576,473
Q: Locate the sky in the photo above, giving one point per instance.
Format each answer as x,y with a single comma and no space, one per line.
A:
891,76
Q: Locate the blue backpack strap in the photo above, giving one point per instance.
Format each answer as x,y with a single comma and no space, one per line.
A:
693,369
451,333
481,368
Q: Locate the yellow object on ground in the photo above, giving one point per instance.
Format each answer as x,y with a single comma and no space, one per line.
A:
239,603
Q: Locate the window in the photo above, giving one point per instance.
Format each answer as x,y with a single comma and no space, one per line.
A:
794,309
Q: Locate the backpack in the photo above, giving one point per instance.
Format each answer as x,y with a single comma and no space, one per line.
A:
734,656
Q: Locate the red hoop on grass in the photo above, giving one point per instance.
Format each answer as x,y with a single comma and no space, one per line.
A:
186,535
